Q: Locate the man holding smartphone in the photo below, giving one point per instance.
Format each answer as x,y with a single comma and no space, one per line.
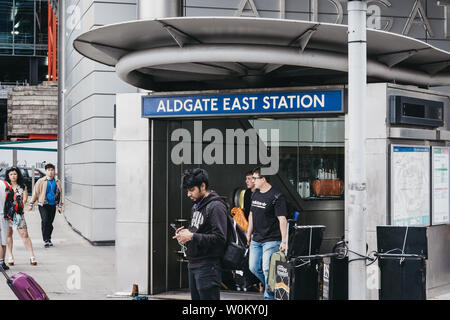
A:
205,238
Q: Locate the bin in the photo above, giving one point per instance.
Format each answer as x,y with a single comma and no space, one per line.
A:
299,278
402,254
403,277
304,240
334,278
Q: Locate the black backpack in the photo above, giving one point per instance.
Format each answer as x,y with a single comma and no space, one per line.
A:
235,244
235,247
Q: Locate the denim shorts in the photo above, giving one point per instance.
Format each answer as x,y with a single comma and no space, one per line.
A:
22,224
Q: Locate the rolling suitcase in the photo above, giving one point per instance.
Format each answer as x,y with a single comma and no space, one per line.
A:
24,286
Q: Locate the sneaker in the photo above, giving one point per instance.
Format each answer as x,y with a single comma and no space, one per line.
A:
50,243
47,244
4,266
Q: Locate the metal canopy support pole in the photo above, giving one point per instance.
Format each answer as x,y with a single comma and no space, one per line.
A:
61,91
158,9
356,188
152,10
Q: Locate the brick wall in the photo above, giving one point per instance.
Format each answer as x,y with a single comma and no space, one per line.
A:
33,110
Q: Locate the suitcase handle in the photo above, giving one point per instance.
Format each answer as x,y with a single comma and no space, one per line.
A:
4,273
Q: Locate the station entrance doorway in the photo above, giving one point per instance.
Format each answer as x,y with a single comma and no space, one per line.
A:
310,173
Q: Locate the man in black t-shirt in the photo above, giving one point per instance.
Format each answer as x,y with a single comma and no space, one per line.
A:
250,183
267,227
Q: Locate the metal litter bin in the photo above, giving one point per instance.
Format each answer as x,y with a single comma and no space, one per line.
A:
299,277
402,254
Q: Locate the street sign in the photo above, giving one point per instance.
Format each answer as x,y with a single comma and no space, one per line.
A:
243,104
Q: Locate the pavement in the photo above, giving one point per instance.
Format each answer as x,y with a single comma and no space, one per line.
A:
440,293
73,269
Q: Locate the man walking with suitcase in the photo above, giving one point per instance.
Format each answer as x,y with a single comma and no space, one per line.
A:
206,237
47,192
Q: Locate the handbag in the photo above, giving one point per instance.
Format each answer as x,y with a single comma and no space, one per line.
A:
271,279
234,252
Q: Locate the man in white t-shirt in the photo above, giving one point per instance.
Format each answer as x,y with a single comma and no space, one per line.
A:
4,225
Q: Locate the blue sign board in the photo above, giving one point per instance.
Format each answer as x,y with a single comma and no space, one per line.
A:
267,103
411,149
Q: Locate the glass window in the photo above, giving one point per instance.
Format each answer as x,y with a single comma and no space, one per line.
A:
42,24
23,28
6,26
311,155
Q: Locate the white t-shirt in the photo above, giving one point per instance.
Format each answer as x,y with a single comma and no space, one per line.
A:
4,223
2,196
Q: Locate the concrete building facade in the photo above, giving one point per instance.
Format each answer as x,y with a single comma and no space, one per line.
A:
424,20
89,95
90,87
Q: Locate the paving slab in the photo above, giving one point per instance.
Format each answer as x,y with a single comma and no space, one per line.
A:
72,269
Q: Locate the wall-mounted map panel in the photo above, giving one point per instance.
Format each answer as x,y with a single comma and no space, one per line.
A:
410,185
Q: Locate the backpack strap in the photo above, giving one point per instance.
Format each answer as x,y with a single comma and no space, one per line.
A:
208,207
276,196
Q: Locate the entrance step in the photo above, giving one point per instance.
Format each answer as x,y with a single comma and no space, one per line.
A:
224,295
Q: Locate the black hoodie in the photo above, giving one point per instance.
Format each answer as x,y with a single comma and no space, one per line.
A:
209,226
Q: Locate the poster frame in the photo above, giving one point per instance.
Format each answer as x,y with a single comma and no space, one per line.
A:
392,181
432,221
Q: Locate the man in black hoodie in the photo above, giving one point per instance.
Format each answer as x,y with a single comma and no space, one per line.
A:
205,239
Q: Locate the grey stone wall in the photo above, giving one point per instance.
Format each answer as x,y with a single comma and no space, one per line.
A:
33,110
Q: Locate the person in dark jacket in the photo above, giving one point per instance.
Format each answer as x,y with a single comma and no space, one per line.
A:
250,183
205,238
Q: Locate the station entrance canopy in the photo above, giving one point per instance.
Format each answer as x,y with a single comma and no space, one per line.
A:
209,53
